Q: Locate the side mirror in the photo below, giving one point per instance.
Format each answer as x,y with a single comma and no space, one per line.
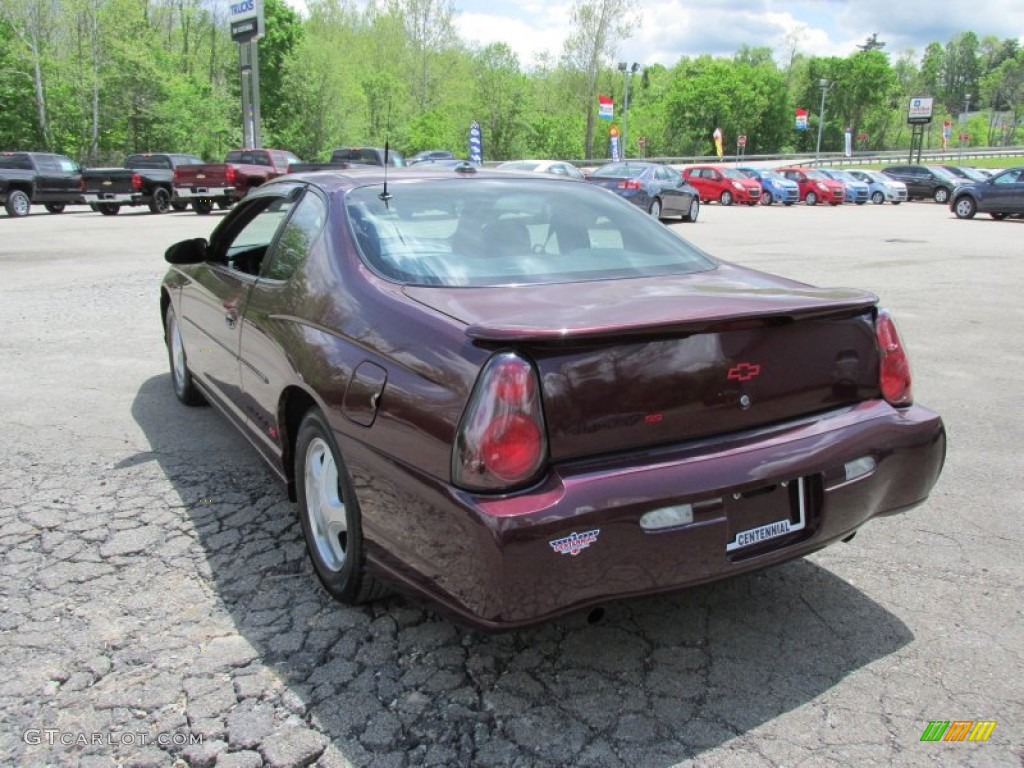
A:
187,252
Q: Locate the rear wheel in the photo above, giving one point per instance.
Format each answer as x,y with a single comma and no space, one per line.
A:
693,211
184,387
812,198
202,207
108,209
726,198
655,209
877,198
329,513
160,202
767,198
55,207
17,204
941,195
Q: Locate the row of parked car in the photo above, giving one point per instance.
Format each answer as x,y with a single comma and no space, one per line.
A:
663,191
162,181
170,181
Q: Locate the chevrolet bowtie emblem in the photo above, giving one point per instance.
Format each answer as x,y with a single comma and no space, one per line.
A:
744,372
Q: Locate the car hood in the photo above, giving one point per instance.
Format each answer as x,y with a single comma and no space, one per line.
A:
674,304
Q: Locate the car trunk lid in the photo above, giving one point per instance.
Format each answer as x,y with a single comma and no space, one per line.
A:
634,363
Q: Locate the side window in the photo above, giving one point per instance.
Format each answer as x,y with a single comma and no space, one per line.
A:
1010,177
244,248
48,163
297,237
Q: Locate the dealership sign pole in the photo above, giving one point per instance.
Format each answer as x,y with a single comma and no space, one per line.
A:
919,115
246,23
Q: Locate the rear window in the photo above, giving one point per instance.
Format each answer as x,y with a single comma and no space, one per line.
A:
367,156
15,162
488,232
147,162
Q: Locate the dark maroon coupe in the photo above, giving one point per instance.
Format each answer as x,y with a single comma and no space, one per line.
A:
520,395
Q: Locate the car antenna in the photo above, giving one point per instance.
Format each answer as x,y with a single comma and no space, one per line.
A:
385,196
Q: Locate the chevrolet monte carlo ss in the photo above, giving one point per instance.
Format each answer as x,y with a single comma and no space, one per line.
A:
517,395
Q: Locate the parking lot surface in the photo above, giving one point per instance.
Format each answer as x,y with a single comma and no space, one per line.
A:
158,607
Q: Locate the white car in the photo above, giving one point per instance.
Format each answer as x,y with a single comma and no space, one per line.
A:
557,167
880,186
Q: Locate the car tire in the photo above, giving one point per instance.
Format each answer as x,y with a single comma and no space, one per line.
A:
55,207
184,387
329,514
965,207
941,195
811,199
160,202
767,198
179,205
877,198
655,209
726,198
998,216
693,211
202,207
108,209
18,204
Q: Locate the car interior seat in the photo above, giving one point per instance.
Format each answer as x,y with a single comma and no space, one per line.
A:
506,237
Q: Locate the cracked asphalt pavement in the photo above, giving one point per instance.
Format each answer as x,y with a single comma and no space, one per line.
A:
159,610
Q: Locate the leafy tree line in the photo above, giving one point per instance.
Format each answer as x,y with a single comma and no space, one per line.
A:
97,79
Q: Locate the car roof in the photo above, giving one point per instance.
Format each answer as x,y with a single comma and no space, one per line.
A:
335,180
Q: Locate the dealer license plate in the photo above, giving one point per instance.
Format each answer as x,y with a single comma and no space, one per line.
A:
790,514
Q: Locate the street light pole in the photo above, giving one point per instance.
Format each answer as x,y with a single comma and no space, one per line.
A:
824,85
963,124
626,72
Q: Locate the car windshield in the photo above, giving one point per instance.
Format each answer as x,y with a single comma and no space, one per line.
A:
620,170
488,232
974,174
732,173
773,175
818,175
942,173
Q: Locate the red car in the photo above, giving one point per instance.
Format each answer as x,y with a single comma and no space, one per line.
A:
726,185
518,395
224,183
815,186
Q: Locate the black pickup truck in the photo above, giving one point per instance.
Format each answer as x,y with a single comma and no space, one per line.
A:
145,179
38,177
352,157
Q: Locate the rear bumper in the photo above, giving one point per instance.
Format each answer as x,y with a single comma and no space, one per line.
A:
93,198
211,193
495,563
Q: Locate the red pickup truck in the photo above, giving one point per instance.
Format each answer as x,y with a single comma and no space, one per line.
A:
230,181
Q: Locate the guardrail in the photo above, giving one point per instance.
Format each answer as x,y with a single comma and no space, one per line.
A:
828,158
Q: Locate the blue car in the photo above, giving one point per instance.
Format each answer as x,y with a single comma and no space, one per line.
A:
856,190
999,197
658,189
774,186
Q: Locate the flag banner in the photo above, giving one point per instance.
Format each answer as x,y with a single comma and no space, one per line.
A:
848,142
605,107
476,144
801,119
717,136
613,143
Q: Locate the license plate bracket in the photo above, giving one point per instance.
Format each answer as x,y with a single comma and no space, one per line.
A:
765,514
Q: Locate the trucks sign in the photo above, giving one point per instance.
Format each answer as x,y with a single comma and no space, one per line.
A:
246,20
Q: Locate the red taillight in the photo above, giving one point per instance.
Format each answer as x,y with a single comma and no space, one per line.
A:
501,440
177,176
229,176
136,181
629,184
894,368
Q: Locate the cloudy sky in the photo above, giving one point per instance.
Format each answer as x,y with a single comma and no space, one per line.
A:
673,28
